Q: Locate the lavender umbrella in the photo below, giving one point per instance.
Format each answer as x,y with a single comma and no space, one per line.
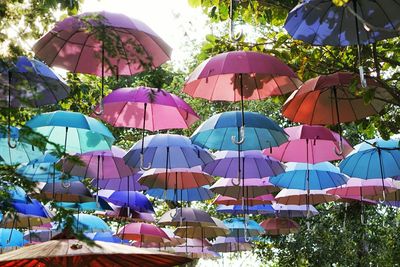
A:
230,244
252,188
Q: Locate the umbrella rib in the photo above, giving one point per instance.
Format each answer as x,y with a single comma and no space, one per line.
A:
80,54
362,15
383,11
321,18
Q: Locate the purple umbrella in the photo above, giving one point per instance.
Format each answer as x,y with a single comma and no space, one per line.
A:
61,192
253,163
122,184
132,199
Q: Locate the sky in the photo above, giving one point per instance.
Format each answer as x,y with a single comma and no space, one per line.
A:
180,25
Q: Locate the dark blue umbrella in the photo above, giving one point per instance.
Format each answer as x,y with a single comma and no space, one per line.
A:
137,201
239,209
34,209
191,194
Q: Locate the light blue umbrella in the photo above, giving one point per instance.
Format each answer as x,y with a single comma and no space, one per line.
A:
309,176
191,194
89,223
239,209
241,227
219,132
101,205
42,169
106,237
11,238
76,132
17,195
21,153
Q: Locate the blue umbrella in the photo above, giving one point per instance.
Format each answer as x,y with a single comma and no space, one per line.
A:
218,131
43,169
309,176
240,227
11,238
291,211
137,201
21,153
89,223
34,209
17,195
166,151
191,194
106,237
76,132
101,205
239,209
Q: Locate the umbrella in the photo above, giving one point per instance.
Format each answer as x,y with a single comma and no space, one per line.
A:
40,235
203,232
19,220
11,238
299,197
166,151
322,22
16,194
252,188
143,233
187,217
89,223
280,226
122,183
240,227
255,164
60,192
34,208
264,199
106,237
239,209
191,194
310,143
360,188
177,178
73,252
83,44
230,244
309,176
21,152
195,252
132,199
100,205
238,75
292,211
122,212
43,169
73,130
217,131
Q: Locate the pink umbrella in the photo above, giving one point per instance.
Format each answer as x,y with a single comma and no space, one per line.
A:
299,197
77,44
150,106
356,187
260,200
312,144
252,188
143,232
280,226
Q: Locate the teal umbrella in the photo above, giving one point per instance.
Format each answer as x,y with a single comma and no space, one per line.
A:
89,223
76,132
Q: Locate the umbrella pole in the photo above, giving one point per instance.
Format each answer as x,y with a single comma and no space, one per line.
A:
29,230
54,180
101,106
307,186
97,181
381,170
360,67
9,116
12,228
340,151
142,167
128,208
362,206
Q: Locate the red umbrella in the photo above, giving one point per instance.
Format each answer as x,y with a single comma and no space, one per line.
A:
280,226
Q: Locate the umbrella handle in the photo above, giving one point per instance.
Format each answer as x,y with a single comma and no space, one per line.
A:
66,184
234,37
363,81
241,137
10,145
101,110
339,152
142,167
238,180
246,237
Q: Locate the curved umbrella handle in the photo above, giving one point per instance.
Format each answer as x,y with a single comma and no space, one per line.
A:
246,237
142,167
241,137
363,81
339,152
234,37
10,145
238,180
66,184
101,111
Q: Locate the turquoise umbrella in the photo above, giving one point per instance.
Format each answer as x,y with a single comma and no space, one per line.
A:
101,205
11,238
241,227
19,153
76,132
219,132
89,223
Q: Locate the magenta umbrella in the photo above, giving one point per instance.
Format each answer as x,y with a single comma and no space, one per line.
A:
250,188
77,44
312,144
143,233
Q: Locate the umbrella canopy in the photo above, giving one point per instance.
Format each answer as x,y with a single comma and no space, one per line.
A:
73,252
260,132
320,176
21,153
239,209
60,192
238,226
101,164
34,209
89,223
191,194
230,244
236,75
328,100
19,220
360,188
100,205
30,83
178,178
143,233
292,211
151,106
378,159
106,237
299,197
186,217
16,194
40,235
76,132
310,144
132,215
122,184
167,151
321,22
195,252
264,199
203,232
76,43
11,238
132,199
252,187
280,226
253,163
